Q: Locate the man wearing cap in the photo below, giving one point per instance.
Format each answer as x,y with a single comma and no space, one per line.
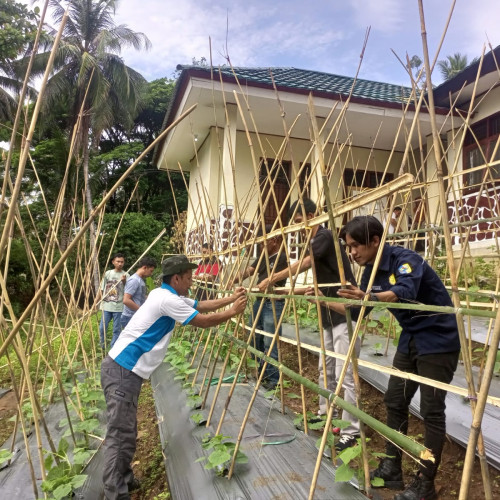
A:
139,350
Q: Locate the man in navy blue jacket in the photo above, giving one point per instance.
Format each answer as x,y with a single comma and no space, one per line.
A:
428,346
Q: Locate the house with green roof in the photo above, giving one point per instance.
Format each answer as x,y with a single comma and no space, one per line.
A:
252,124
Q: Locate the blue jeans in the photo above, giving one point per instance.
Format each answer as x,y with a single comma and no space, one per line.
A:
124,320
106,317
265,322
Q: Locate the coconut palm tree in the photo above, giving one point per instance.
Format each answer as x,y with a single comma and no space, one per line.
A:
18,27
453,65
91,77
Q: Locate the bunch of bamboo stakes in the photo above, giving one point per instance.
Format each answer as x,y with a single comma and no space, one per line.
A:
53,335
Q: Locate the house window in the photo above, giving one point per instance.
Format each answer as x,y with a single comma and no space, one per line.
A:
479,145
276,174
365,178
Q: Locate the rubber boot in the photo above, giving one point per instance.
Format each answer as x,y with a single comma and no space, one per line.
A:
422,488
390,471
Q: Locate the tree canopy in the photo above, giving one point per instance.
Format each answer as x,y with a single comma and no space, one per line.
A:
122,114
453,65
18,27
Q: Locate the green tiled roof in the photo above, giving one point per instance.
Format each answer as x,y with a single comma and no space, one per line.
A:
294,78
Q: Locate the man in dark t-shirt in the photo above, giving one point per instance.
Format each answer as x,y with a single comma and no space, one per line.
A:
335,333
271,309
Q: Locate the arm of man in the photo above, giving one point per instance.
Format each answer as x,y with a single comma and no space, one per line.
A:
131,287
353,293
102,287
212,305
296,268
241,276
214,319
127,300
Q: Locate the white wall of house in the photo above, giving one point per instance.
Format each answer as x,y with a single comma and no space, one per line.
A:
206,171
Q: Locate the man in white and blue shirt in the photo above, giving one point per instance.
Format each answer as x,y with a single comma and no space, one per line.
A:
139,350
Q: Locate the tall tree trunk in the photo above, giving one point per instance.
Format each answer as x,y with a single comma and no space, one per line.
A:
88,199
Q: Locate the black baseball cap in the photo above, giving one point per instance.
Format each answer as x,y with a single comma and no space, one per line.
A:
176,265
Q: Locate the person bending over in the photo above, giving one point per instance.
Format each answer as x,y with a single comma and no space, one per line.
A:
139,350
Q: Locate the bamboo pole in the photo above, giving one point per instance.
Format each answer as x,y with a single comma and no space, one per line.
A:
451,264
85,226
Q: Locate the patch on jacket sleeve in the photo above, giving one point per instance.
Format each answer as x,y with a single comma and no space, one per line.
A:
404,269
392,279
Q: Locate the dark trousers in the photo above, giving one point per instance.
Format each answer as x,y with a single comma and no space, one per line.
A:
265,322
121,389
397,399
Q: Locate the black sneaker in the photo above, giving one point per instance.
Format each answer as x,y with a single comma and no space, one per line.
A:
345,442
390,471
269,385
420,489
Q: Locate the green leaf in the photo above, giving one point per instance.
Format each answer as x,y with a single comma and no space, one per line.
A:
349,454
251,363
341,424
63,447
82,456
317,425
330,441
58,471
93,396
377,482
49,459
343,473
63,422
292,395
62,491
88,425
241,458
5,455
197,417
218,457
78,480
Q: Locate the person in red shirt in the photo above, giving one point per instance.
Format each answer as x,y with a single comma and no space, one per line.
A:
206,274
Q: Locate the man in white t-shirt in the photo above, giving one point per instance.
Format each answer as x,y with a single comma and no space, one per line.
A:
139,350
112,288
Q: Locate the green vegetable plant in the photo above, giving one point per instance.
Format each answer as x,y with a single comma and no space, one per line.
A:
307,315
351,466
63,475
377,347
198,418
222,452
194,401
5,455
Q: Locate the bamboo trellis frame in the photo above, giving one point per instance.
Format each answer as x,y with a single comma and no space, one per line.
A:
30,337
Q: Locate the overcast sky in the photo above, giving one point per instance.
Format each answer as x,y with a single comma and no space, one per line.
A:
320,35
323,35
